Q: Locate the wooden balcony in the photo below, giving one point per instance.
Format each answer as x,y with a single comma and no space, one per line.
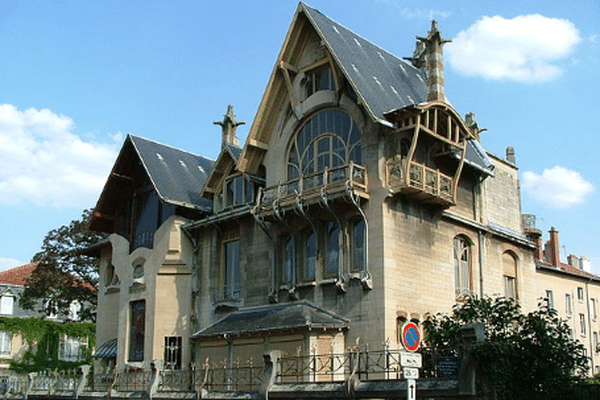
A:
420,182
338,182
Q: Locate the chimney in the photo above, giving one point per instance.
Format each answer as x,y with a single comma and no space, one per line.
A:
228,126
434,63
510,155
573,261
553,255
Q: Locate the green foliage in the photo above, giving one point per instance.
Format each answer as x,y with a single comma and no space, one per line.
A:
523,356
65,273
41,339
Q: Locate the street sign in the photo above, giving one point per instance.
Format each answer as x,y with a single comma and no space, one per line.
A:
410,373
411,360
411,338
411,389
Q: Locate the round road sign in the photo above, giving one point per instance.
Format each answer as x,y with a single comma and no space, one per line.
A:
411,338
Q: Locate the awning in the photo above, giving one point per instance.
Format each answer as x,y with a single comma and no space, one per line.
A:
108,349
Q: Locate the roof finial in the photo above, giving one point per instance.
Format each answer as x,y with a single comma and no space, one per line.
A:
228,126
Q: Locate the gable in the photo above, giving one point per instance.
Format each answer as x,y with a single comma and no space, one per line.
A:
377,80
177,177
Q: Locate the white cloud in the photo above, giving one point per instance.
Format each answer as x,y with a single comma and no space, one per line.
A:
43,162
524,49
6,263
557,187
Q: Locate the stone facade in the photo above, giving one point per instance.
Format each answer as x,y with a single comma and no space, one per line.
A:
355,205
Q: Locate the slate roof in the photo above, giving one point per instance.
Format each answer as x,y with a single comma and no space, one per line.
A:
234,151
177,175
382,80
284,317
17,275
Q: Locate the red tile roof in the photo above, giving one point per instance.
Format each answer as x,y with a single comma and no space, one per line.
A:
567,268
17,275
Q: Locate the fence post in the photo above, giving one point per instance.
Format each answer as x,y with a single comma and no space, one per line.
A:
85,371
157,367
471,334
271,362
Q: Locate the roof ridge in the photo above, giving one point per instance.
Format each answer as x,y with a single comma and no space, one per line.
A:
360,36
169,146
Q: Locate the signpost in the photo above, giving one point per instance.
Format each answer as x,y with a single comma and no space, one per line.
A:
409,361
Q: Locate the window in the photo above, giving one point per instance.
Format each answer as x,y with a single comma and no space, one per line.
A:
328,140
358,245
333,250
595,341
172,352
138,272
510,287
580,293
232,279
137,330
7,304
593,308
310,256
568,304
72,348
509,266
287,259
320,78
550,299
582,324
5,344
462,266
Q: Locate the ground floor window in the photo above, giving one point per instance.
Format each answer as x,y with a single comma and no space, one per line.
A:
137,330
173,352
5,344
72,348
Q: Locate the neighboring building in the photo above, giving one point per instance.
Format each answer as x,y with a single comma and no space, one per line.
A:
571,289
360,200
13,346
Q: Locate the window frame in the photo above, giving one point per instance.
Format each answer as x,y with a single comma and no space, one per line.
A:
232,273
333,246
5,344
310,254
137,330
550,299
568,304
582,325
463,269
173,350
580,294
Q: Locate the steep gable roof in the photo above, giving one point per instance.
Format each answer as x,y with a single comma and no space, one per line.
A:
228,157
177,176
380,79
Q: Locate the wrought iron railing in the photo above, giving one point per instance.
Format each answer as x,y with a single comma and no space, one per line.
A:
420,177
333,180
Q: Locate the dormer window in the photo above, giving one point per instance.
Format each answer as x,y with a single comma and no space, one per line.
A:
7,304
239,190
320,78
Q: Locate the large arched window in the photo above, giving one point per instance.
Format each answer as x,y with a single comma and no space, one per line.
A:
462,266
329,139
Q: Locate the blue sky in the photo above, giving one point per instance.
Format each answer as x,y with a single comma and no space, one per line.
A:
77,76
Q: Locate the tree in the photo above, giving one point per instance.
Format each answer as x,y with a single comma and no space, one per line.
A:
523,356
65,273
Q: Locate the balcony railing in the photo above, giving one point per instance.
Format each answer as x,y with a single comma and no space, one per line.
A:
334,181
423,182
